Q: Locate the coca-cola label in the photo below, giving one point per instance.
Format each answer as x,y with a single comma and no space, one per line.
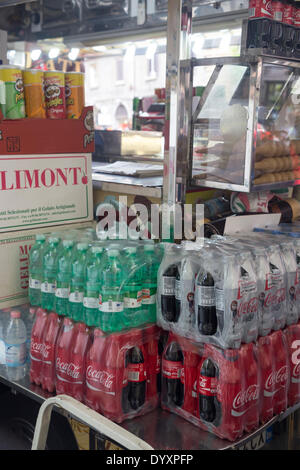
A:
136,372
295,376
244,399
207,386
260,9
100,380
275,380
171,370
38,351
275,298
249,306
68,371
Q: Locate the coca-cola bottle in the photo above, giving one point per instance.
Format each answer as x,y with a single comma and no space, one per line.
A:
281,375
36,345
52,333
96,377
137,372
207,390
168,307
251,392
172,364
267,370
230,391
206,304
115,388
79,348
260,23
63,362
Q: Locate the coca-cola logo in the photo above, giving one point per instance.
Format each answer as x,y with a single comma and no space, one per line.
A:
101,376
248,307
40,348
277,377
296,370
70,369
275,298
243,398
268,5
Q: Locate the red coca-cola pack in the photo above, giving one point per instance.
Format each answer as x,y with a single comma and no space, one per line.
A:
226,391
123,373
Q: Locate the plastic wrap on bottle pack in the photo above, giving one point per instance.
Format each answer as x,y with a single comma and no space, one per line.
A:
123,373
198,294
292,334
276,282
215,389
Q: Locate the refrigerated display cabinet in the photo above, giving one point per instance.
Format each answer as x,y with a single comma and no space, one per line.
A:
244,133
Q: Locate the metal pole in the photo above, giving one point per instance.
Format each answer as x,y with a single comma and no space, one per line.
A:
179,32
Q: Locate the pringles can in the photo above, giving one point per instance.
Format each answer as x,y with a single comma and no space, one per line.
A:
34,93
12,101
55,97
74,94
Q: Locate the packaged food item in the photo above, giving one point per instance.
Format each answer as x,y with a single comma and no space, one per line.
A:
12,101
34,93
74,86
123,373
55,95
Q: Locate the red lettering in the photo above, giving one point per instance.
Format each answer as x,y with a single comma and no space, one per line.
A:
52,177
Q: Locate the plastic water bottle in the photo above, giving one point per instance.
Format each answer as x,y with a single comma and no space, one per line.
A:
92,286
48,285
15,346
36,270
77,281
149,283
111,303
63,281
133,288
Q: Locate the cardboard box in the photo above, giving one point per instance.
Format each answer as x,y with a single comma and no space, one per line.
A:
45,171
14,266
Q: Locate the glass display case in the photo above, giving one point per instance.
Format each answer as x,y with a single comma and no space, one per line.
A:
245,128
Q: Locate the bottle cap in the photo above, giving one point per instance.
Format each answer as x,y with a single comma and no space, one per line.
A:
113,253
15,314
68,243
40,237
97,249
149,247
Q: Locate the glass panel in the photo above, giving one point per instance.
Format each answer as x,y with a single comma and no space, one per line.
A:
221,126
278,130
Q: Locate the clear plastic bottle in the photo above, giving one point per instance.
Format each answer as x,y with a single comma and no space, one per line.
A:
77,281
92,286
111,296
150,282
15,337
36,270
48,286
63,280
133,289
